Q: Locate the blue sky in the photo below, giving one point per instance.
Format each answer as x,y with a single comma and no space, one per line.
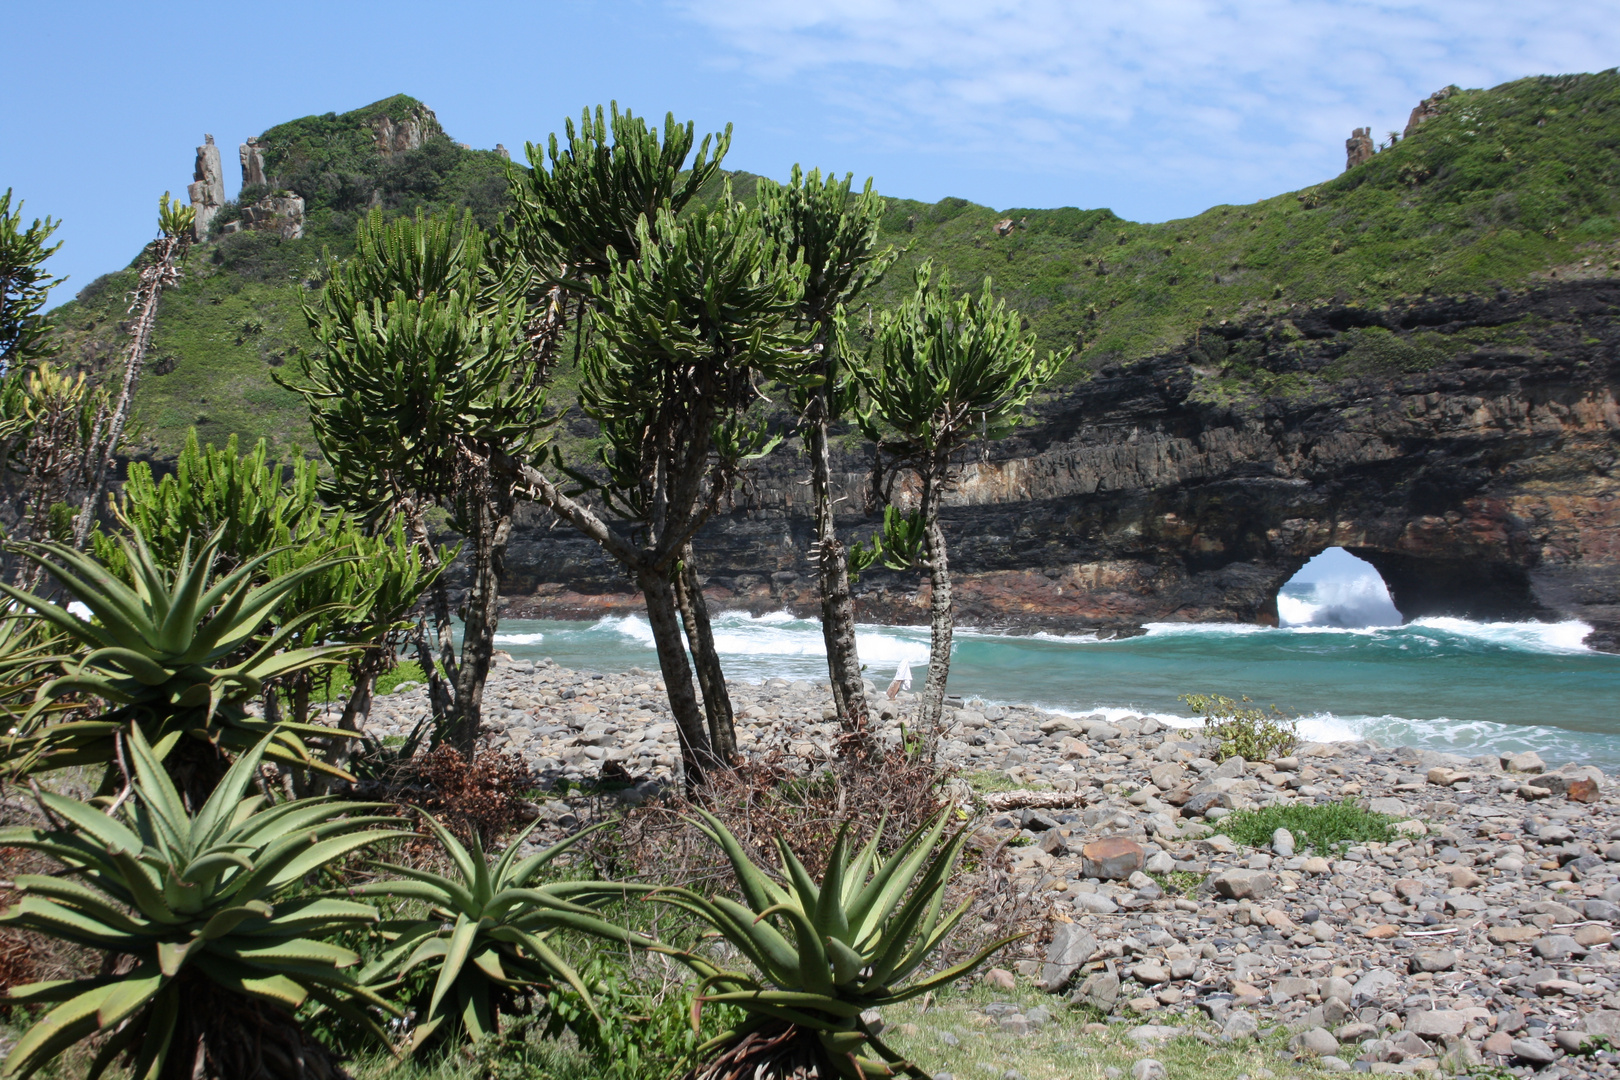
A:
1155,108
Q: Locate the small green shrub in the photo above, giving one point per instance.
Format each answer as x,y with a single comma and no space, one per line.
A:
642,1028
1325,828
1179,882
1375,350
1251,734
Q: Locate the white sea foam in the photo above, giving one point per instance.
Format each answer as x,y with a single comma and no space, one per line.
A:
1565,636
1465,737
1040,673
1356,602
1559,637
520,639
780,634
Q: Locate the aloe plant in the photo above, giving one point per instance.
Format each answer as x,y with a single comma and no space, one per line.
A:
825,952
485,938
214,954
178,653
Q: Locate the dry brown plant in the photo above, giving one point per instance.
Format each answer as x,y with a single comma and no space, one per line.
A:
763,799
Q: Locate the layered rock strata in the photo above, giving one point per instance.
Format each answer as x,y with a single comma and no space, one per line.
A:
1465,447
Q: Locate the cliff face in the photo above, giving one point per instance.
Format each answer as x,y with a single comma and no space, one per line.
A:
1467,448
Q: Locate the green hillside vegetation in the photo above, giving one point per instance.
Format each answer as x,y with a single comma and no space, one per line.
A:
1504,188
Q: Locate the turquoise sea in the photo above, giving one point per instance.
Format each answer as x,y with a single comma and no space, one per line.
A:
1341,662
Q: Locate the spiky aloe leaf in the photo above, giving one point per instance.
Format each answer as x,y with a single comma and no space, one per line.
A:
857,935
486,934
161,651
128,889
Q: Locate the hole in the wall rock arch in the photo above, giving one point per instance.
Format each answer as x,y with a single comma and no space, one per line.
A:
1336,589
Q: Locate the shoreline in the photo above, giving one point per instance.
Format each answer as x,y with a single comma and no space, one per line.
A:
1315,680
1481,932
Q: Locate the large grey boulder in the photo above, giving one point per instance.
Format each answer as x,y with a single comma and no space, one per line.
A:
1071,947
1100,990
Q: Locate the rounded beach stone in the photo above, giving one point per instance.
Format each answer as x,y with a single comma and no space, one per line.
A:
1318,1041
1113,858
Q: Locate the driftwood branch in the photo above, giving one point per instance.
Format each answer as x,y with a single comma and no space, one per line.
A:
1036,800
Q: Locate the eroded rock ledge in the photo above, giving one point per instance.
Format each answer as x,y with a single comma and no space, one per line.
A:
1465,447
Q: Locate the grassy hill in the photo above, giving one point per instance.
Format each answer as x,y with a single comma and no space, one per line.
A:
1504,188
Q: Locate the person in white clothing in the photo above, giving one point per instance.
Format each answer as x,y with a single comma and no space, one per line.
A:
902,679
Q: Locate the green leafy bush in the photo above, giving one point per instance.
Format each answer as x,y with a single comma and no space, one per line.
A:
1251,734
370,578
1325,828
641,1028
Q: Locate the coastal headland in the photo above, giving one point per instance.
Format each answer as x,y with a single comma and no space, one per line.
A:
1477,479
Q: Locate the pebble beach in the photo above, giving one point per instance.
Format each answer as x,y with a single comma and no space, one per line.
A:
1480,935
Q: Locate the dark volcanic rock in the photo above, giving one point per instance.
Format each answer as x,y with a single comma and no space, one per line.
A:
1478,479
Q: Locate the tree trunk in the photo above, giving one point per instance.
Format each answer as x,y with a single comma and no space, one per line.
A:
837,605
697,753
442,675
356,713
939,609
711,677
153,279
480,616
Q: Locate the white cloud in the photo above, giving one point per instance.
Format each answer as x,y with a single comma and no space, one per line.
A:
1225,96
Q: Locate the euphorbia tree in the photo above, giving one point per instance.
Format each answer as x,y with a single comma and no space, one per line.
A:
945,372
834,232
685,334
420,393
25,327
576,213
47,415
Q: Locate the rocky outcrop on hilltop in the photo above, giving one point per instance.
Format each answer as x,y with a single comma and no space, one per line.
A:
207,189
281,213
1427,109
1466,447
1358,148
251,155
409,132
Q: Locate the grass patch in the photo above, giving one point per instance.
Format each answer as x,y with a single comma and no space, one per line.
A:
953,1036
1324,828
1179,882
339,684
992,780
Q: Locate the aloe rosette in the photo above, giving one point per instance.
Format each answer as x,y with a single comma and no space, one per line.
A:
195,906
486,935
178,653
826,952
